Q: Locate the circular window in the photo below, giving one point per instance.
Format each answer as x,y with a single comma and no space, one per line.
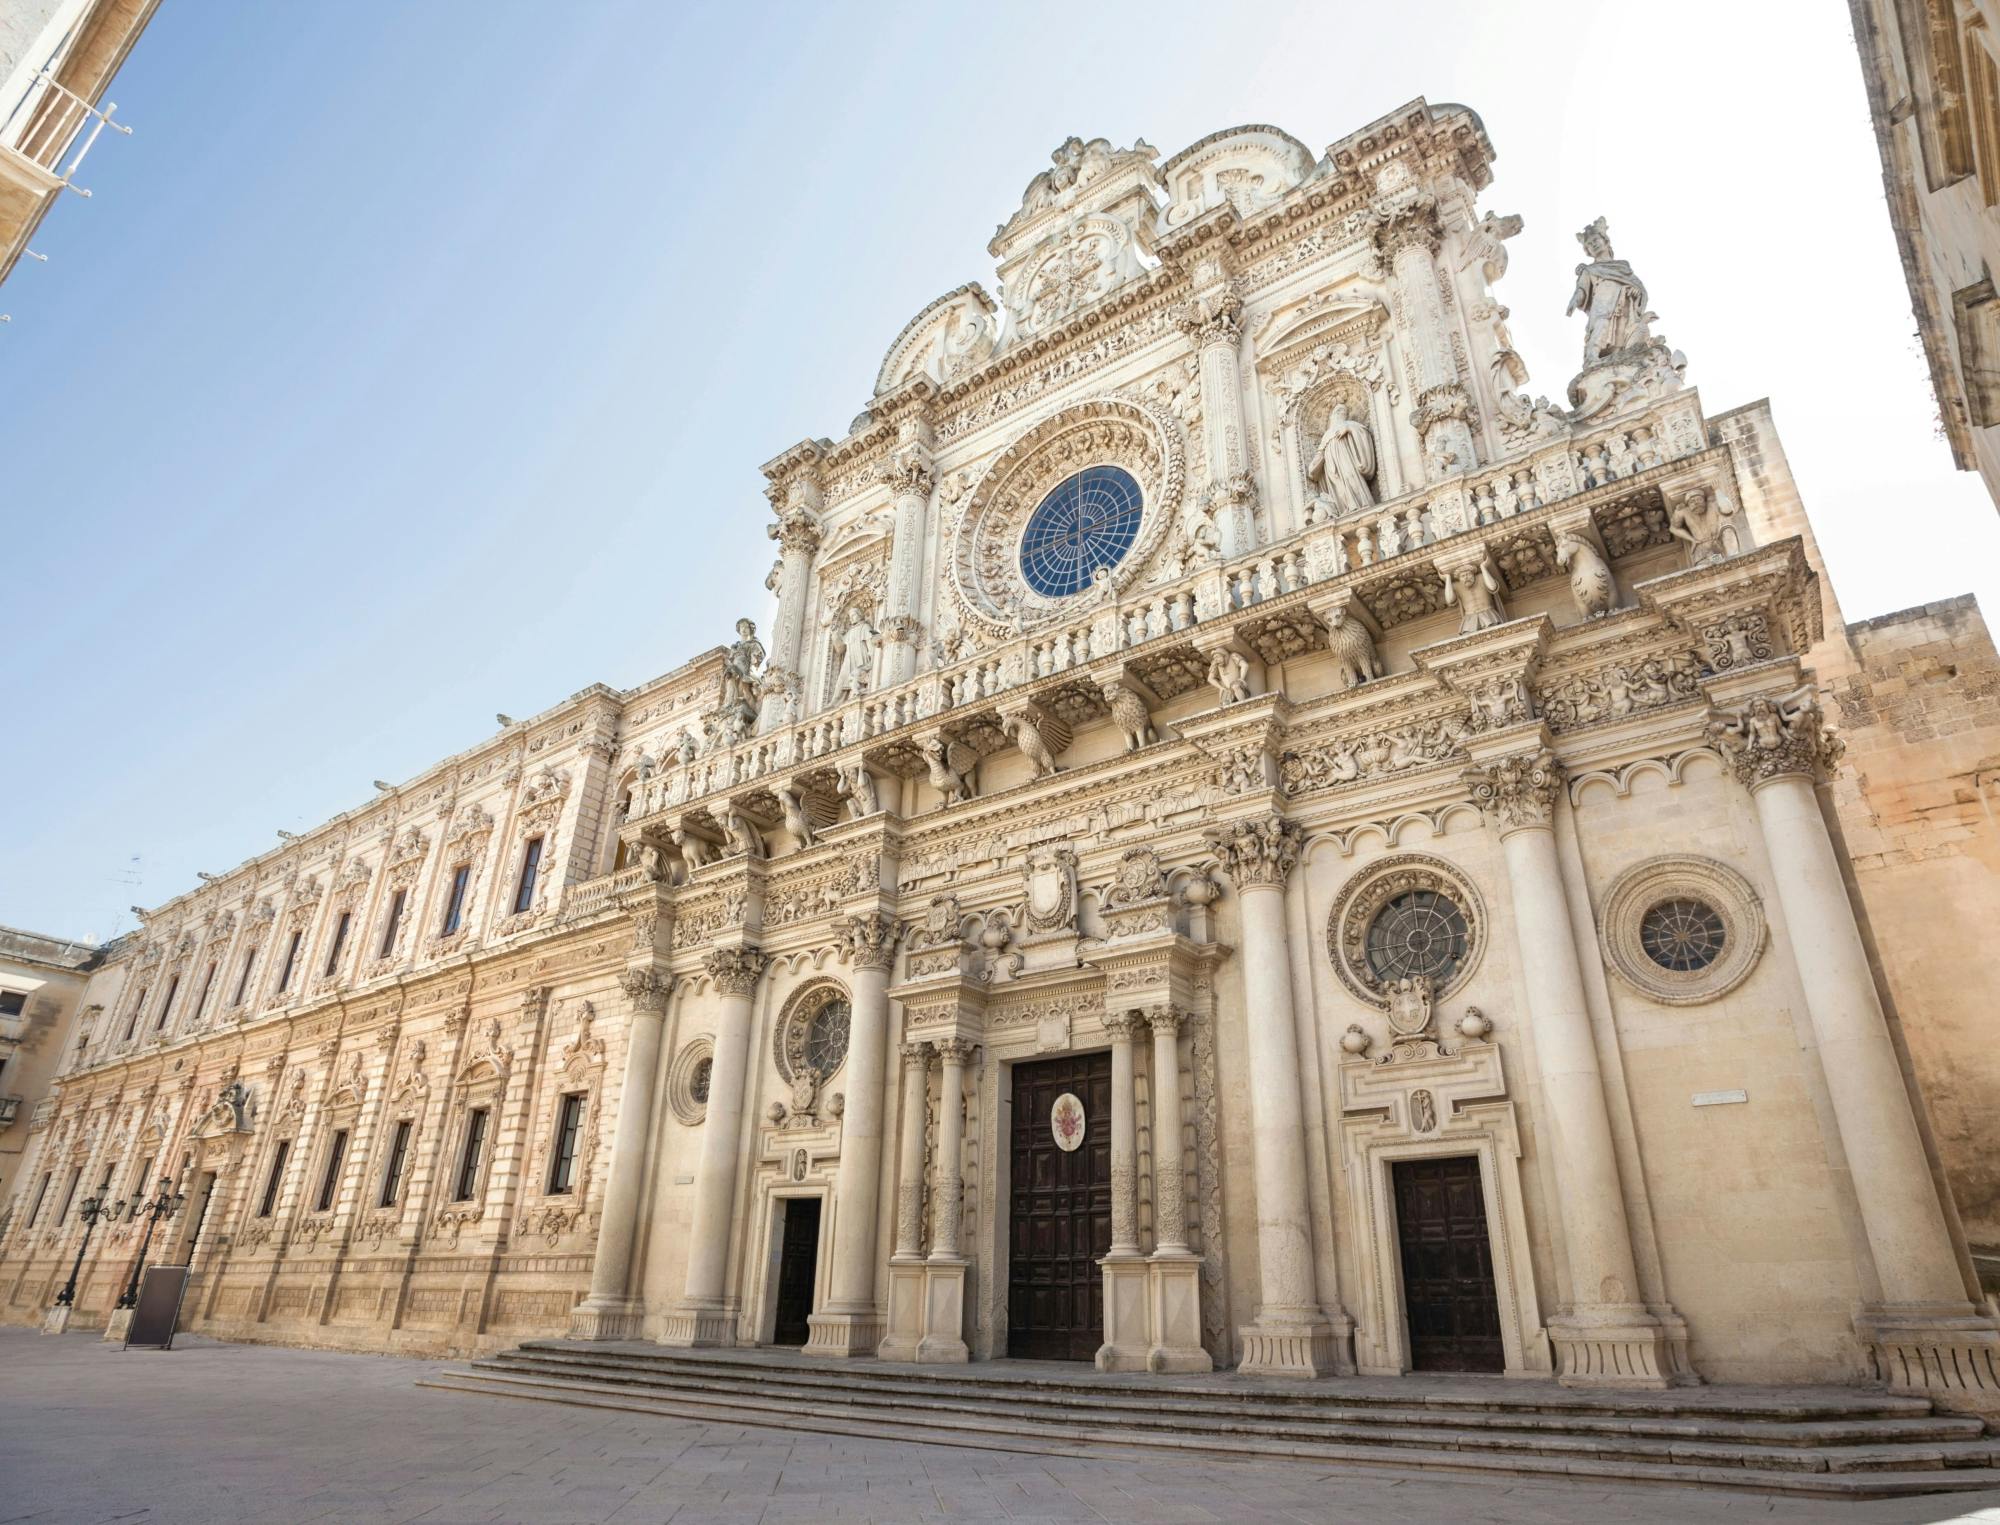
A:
826,1038
698,1081
811,1035
1408,915
1681,930
1421,932
1086,522
1682,935
688,1080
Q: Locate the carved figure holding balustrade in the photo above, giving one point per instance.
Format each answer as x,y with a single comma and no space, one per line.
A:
1475,590
1229,671
1706,523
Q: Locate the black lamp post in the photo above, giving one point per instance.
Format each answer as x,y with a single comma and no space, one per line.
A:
91,1208
165,1205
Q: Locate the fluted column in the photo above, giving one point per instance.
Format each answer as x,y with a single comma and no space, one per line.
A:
1606,1336
910,1162
701,1318
797,534
611,1311
1927,1334
910,480
1408,235
1213,323
851,1323
1124,1135
947,1209
1169,1175
1290,1335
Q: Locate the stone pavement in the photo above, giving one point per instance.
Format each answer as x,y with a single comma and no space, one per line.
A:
214,1432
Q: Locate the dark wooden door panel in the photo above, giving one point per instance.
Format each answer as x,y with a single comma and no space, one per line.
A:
1448,1292
798,1264
1060,1212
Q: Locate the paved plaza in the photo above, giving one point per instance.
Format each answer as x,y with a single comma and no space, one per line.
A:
214,1432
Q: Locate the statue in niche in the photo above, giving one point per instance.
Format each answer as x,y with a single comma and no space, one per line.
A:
739,668
1611,298
1705,522
857,658
1345,467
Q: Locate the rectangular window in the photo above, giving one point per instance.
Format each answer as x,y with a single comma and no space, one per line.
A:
569,1127
138,1006
243,979
339,940
454,907
275,1181
140,1177
69,1196
12,1003
41,1195
531,864
173,989
395,921
468,1159
1982,79
291,957
399,1149
201,1002
335,1156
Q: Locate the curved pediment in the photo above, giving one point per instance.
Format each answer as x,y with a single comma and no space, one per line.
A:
950,337
1247,168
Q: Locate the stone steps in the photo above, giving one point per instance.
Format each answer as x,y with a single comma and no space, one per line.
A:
1847,1445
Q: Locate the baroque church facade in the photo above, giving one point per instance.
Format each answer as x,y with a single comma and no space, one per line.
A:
1250,841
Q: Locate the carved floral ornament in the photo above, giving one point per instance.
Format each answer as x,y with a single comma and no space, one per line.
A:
1137,436
1681,929
1428,923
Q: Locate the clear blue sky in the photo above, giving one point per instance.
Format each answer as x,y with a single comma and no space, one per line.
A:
415,361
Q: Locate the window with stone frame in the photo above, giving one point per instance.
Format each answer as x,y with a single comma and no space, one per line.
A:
1976,314
275,1179
471,1155
1982,100
1936,70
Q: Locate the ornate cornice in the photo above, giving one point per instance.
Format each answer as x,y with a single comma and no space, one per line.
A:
1263,851
1517,793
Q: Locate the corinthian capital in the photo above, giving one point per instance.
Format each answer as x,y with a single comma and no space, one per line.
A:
735,970
869,939
1406,218
646,989
1769,739
1214,317
907,476
797,530
1256,852
1517,792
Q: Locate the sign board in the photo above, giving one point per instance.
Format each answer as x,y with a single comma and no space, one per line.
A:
159,1308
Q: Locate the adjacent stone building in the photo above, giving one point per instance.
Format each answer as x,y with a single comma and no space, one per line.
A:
1932,70
42,981
1250,840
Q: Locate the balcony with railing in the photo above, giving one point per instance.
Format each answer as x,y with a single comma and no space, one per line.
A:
49,132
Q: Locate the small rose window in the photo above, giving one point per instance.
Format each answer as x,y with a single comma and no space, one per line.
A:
1682,935
1419,933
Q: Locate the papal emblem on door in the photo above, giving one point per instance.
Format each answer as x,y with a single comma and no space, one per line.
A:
1066,1122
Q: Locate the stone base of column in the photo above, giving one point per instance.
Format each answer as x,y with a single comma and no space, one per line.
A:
905,1324
607,1318
944,1312
694,1326
56,1320
118,1324
1949,1354
1289,1342
1127,1313
1615,1345
842,1333
1174,1296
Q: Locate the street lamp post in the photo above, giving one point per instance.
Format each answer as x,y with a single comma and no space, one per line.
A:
91,1209
165,1205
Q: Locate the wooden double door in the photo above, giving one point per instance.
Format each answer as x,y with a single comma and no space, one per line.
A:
1059,1212
1447,1253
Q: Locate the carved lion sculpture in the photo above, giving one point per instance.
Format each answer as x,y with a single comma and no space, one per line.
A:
1128,710
1353,649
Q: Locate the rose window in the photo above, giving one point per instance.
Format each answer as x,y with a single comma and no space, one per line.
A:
1086,523
698,1081
826,1038
1419,933
1682,935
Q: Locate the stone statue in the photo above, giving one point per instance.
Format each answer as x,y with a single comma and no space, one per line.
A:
1346,464
695,850
1476,592
1706,523
1229,671
857,787
686,749
857,658
1353,649
739,668
1590,581
1611,298
798,816
742,833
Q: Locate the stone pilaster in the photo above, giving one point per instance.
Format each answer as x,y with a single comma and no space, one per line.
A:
798,535
944,1272
1212,319
1290,1335
1407,236
1605,1336
910,480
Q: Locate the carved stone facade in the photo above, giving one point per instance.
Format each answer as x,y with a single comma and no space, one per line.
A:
1432,783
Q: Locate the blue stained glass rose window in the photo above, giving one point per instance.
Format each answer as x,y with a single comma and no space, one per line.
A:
1086,522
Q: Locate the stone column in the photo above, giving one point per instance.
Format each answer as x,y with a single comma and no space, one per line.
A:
797,534
1407,235
909,478
1926,1334
1169,1167
611,1311
1213,322
1605,1336
1290,1336
944,1272
1124,1134
910,1174
851,1322
702,1318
